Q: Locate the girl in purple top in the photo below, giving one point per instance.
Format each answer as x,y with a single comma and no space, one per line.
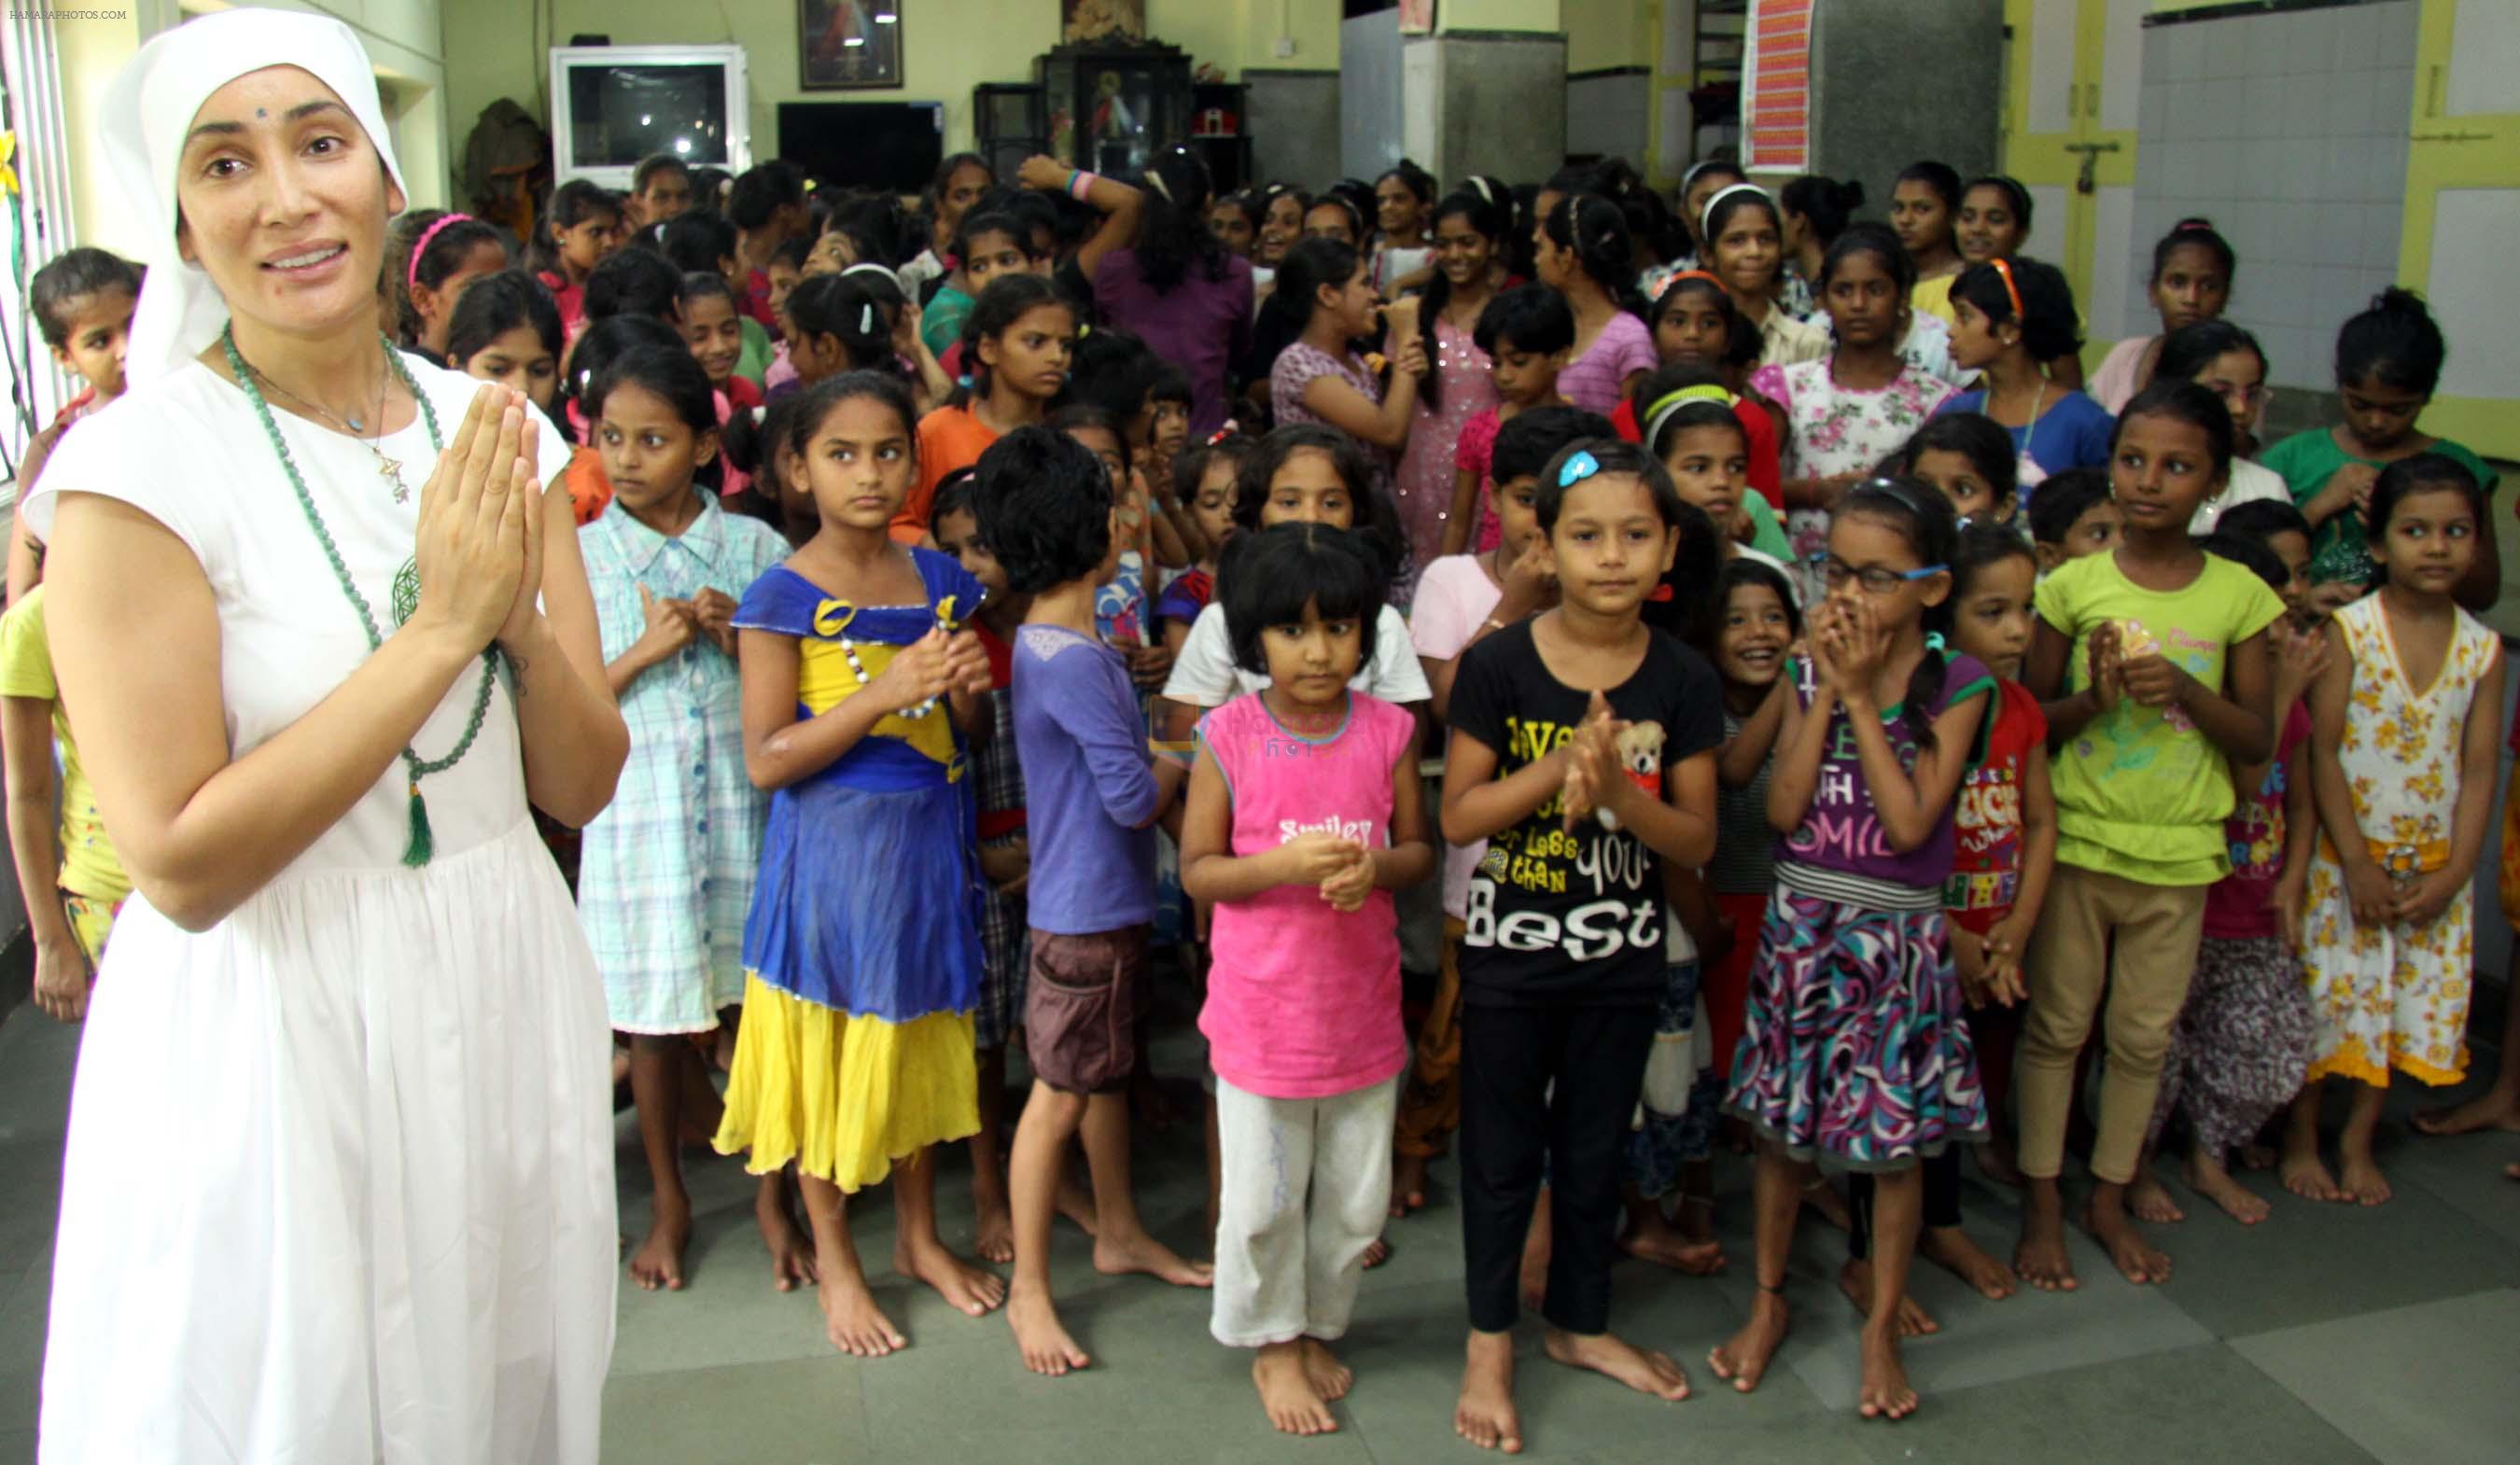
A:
1306,810
1854,1051
1178,289
1584,255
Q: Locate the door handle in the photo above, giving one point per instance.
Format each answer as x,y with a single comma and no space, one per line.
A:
2433,91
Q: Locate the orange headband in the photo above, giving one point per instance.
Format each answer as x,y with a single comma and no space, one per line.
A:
2012,291
1687,275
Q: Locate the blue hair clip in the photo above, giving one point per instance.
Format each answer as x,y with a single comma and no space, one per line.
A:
1934,641
1579,467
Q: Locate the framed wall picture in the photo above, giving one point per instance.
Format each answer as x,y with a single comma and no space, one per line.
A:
1082,21
1417,17
848,45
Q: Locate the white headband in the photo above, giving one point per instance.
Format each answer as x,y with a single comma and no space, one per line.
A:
147,112
1707,214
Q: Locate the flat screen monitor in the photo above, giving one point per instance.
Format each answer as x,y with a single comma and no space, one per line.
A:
616,104
894,146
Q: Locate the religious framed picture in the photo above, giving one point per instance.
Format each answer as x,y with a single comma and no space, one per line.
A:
1417,17
1083,20
848,45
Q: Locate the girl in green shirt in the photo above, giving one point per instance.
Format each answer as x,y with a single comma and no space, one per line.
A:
2388,362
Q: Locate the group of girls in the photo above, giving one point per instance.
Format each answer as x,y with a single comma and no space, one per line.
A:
1842,720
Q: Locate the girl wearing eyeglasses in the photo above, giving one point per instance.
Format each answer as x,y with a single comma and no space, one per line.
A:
1854,1054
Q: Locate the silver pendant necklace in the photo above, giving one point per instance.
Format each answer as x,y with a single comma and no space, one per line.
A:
388,469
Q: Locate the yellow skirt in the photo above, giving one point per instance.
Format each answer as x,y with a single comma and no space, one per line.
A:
844,1097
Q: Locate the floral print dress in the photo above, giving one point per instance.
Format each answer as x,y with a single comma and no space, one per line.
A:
2395,995
1835,429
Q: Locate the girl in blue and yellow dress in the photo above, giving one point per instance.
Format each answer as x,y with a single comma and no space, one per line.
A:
861,950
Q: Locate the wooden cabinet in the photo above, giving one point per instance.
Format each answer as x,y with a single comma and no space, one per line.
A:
1110,107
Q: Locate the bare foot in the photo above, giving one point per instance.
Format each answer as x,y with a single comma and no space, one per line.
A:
2306,1176
1954,1251
1484,1415
2040,1259
1886,1393
1039,1336
792,1251
2359,1179
1286,1394
1116,1258
1652,1239
852,1322
1613,1356
1855,1279
1331,1379
658,1262
1075,1202
974,1291
2258,1156
1407,1185
2208,1179
2136,1259
2493,1109
1376,1252
1743,1360
2511,1171
2147,1198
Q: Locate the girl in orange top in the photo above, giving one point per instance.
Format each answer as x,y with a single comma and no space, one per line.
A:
1016,343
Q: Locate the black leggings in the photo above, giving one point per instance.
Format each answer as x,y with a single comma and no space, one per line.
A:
1942,1200
1512,1118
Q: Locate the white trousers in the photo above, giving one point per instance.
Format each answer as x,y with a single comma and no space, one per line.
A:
1307,1187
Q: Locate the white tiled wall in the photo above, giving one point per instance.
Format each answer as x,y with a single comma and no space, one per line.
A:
2288,131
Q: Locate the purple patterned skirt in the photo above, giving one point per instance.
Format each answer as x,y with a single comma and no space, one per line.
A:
1855,1051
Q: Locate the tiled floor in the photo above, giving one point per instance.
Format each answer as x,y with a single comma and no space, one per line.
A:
2327,1334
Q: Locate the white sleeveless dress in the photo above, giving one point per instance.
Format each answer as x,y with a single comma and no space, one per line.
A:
340,1174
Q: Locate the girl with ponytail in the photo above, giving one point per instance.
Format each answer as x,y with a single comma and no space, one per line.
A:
1179,288
1854,987
1586,254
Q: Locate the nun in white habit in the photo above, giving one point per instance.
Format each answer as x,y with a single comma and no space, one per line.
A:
340,1172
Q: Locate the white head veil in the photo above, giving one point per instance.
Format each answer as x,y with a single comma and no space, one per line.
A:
146,113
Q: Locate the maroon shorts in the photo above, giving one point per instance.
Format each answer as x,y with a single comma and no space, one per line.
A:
1081,1007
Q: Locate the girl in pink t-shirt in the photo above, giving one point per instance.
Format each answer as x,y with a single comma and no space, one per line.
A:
1305,814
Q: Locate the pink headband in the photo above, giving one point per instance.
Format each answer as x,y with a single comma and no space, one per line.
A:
425,234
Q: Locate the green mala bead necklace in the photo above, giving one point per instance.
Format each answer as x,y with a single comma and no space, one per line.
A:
406,586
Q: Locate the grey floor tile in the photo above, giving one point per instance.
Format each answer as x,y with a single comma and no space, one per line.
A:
2465,1173
1814,1440
2312,1262
17,1448
22,1345
806,1412
2428,1384
1981,1342
2203,1404
1408,1354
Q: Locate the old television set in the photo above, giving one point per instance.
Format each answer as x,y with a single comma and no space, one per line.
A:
612,106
